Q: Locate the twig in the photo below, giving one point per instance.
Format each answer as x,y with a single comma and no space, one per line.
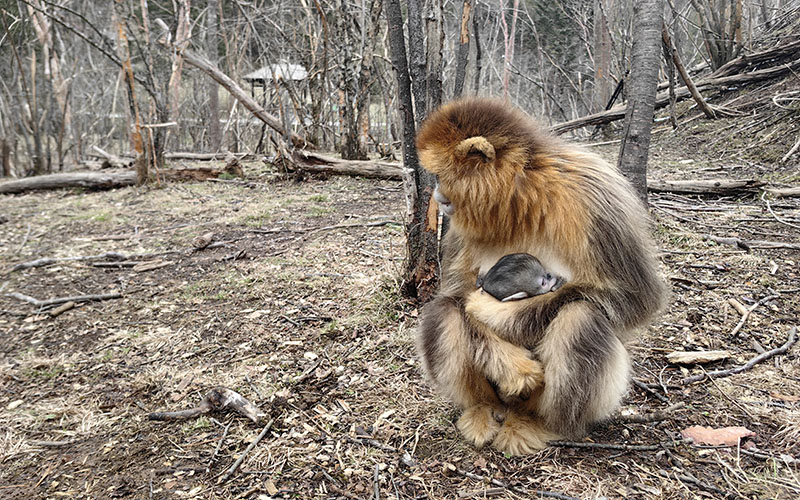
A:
501,484
725,394
791,151
765,200
219,446
641,385
51,444
613,446
747,245
49,261
749,310
365,224
66,306
656,416
61,300
25,239
376,487
696,482
241,458
754,361
764,456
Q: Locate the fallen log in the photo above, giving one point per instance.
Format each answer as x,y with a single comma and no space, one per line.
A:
87,180
783,192
315,162
113,180
717,79
710,186
112,160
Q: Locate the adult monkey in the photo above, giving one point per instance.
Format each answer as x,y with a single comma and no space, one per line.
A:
548,366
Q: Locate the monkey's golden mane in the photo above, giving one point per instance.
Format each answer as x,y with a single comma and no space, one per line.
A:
509,180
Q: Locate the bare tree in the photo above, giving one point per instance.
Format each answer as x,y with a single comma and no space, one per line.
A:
463,48
212,87
645,63
420,278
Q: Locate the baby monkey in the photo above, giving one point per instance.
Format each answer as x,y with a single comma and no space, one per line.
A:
518,276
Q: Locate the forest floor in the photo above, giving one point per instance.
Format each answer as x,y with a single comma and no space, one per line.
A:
298,311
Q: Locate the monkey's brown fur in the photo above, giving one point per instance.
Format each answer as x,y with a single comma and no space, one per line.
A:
532,370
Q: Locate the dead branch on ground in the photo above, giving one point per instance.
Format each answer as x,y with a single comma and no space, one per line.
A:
314,162
241,458
748,311
216,399
754,361
705,186
720,78
62,300
747,245
783,192
86,180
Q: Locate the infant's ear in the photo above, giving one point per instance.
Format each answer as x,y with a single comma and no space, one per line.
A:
476,145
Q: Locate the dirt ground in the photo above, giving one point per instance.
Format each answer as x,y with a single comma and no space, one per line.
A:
297,310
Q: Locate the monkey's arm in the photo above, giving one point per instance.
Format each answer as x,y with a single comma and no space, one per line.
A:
520,322
510,366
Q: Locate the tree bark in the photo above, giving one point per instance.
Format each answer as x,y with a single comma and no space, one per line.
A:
5,157
140,146
365,78
603,84
463,48
416,58
212,87
641,94
420,278
434,28
476,82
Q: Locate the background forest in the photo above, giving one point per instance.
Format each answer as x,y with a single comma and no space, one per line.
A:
323,68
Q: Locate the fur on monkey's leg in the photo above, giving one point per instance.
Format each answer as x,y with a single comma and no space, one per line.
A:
443,344
586,367
510,366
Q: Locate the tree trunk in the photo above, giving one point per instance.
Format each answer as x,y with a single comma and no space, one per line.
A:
416,58
5,157
212,87
434,28
641,94
366,76
348,82
476,82
603,83
140,145
463,48
420,278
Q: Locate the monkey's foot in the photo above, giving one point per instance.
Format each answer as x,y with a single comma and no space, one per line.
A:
521,434
480,424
